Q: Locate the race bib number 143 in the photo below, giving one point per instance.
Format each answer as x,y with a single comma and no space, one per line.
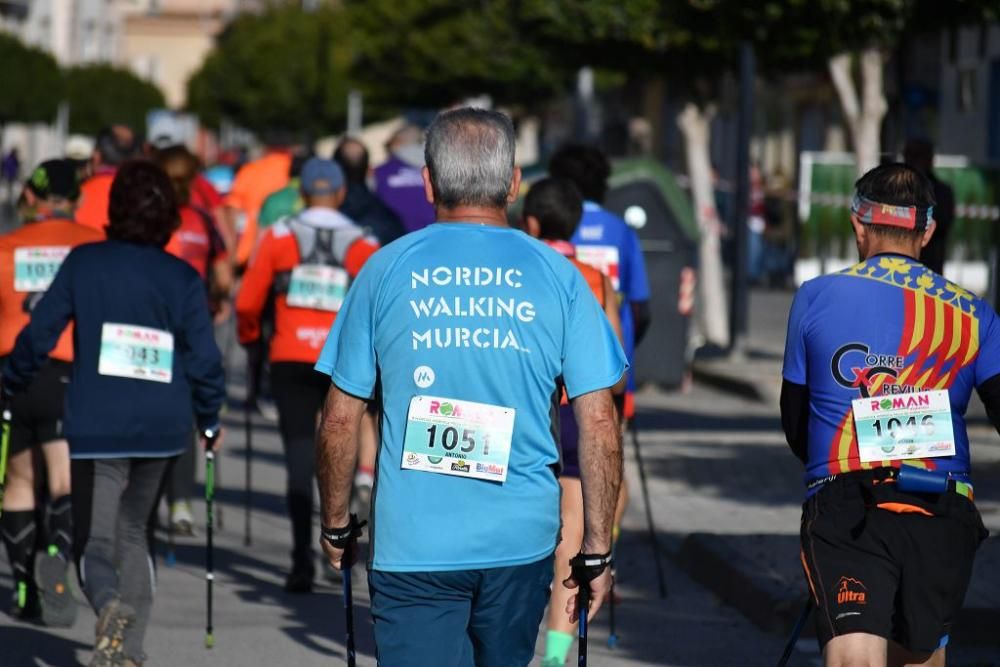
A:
904,426
136,352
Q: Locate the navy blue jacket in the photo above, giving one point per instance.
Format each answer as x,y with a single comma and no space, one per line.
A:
109,416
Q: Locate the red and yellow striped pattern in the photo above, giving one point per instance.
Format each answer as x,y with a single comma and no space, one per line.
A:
943,339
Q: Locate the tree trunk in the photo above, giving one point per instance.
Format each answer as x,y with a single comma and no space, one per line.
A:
712,317
863,116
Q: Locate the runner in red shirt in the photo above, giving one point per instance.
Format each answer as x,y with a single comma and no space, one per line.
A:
306,262
29,259
113,146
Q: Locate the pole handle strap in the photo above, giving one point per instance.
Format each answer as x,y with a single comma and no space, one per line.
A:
587,567
340,538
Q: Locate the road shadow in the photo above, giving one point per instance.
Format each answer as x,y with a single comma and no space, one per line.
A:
24,645
682,420
307,619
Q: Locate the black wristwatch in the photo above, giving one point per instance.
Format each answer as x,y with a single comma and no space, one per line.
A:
339,538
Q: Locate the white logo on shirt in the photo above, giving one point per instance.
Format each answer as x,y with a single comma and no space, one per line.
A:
314,336
423,376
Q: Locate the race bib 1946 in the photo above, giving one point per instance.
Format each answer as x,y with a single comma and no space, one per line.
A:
141,353
461,438
318,287
35,267
904,426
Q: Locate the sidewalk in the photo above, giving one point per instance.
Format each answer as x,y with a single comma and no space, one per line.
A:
258,624
747,551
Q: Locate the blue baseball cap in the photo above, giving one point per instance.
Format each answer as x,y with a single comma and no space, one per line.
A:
321,177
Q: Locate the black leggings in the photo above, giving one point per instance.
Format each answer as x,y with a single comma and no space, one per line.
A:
299,392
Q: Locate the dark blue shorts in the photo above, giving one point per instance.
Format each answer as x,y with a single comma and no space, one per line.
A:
468,618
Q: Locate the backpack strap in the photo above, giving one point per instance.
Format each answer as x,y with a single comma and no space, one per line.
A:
318,245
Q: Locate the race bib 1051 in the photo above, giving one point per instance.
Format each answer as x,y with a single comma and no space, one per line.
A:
461,438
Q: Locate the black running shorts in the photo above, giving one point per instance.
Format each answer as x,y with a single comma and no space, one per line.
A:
37,414
888,563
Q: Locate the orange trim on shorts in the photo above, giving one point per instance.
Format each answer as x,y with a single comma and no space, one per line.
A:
903,508
809,579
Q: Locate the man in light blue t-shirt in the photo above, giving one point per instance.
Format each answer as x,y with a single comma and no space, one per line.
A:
471,330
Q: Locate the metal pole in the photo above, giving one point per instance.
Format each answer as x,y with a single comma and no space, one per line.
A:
796,632
739,305
355,112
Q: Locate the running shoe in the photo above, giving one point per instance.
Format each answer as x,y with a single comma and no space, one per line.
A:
51,574
109,634
266,409
553,662
24,602
181,519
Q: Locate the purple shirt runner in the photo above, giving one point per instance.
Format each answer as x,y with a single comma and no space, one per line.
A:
401,186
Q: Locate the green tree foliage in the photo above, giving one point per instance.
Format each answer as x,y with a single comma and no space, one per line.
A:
30,83
101,95
279,71
434,52
687,39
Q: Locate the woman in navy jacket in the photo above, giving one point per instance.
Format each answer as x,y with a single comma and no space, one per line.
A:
146,365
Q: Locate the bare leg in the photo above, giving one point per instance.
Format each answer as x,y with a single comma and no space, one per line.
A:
19,495
857,649
56,455
571,510
367,443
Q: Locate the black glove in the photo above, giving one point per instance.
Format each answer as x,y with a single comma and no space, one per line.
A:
345,539
587,567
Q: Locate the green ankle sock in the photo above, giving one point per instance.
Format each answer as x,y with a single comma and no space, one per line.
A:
557,645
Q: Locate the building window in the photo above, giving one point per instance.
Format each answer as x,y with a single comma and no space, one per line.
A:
966,90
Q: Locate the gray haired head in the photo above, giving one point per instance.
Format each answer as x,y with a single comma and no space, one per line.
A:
470,156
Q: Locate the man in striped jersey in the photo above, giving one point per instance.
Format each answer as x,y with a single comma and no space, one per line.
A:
880,363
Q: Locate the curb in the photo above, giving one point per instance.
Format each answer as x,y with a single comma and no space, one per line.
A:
767,600
730,381
764,598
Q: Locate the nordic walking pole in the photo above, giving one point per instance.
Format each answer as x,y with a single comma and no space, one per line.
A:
612,635
346,539
211,436
661,583
348,608
796,631
583,604
248,480
584,568
4,450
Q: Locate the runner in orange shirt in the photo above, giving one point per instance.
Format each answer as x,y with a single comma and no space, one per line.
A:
198,242
306,262
113,146
29,258
552,211
252,185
